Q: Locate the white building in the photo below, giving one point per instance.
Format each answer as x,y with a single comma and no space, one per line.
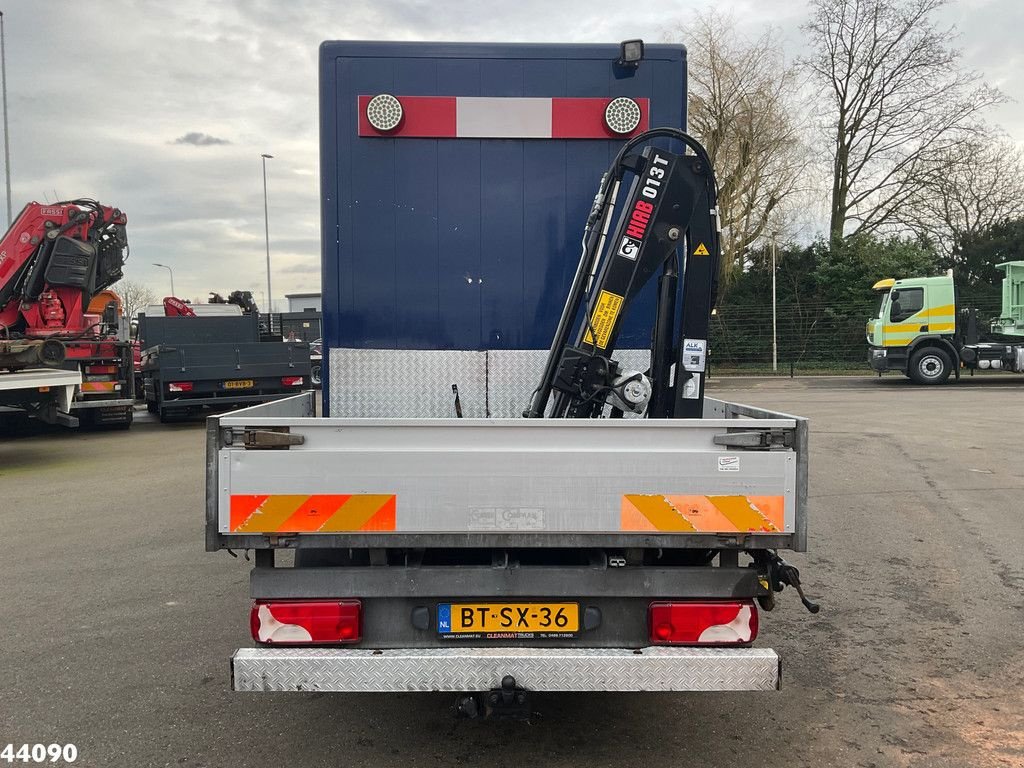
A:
304,302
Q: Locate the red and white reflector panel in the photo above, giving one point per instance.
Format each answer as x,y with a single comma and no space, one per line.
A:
485,117
708,622
180,386
291,381
306,622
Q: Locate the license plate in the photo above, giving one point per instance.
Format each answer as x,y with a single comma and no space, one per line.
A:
508,618
240,384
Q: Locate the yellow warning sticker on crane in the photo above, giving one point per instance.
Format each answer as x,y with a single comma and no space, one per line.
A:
603,320
701,250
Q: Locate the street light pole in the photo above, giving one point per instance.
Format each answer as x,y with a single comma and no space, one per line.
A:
7,142
775,338
172,276
266,229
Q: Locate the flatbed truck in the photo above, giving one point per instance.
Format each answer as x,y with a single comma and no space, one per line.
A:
192,363
442,541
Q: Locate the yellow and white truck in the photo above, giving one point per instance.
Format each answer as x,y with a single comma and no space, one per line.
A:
919,330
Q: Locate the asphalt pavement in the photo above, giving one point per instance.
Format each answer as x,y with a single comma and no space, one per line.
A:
116,626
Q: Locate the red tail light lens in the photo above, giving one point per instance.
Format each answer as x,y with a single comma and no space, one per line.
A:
101,369
306,622
291,381
732,622
180,386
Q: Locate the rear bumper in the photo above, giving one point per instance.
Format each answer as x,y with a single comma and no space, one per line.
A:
459,670
98,403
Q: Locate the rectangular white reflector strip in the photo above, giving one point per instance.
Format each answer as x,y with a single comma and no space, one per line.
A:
503,118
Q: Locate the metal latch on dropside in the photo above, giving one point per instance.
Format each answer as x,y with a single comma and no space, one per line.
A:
263,438
761,438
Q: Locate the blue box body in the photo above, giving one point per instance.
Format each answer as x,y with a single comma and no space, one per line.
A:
466,244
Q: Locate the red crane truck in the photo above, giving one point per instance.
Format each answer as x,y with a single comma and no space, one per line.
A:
56,260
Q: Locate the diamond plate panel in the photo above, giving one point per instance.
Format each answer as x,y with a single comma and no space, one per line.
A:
511,376
406,383
479,669
401,383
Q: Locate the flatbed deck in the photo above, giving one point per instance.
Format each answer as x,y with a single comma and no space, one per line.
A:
45,392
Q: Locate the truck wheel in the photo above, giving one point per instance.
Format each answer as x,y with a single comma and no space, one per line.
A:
929,366
125,423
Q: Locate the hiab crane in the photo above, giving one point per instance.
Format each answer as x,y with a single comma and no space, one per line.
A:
64,350
669,225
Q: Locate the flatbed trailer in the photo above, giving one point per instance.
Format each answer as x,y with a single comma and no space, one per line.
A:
189,363
44,393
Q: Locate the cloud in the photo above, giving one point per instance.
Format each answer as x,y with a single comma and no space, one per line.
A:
198,139
301,268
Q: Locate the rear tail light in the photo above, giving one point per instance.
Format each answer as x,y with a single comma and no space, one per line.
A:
732,622
92,369
180,386
291,381
306,622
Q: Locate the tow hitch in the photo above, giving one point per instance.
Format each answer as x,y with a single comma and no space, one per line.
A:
780,574
509,702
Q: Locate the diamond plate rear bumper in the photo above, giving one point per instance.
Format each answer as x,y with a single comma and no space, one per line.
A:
478,669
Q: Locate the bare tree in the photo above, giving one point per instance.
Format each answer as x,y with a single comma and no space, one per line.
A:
965,190
896,99
742,107
134,297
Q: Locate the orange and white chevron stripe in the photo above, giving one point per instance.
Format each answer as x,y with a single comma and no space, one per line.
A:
317,513
703,514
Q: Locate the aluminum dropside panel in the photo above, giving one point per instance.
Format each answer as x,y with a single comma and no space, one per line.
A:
505,482
539,489
479,669
522,475
33,378
55,382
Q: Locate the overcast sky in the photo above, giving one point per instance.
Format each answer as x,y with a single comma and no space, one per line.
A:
163,108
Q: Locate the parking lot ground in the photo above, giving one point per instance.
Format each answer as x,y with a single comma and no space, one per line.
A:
116,626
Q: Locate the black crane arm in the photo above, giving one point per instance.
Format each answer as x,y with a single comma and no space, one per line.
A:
668,226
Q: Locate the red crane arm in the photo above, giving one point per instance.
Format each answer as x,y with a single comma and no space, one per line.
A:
53,259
